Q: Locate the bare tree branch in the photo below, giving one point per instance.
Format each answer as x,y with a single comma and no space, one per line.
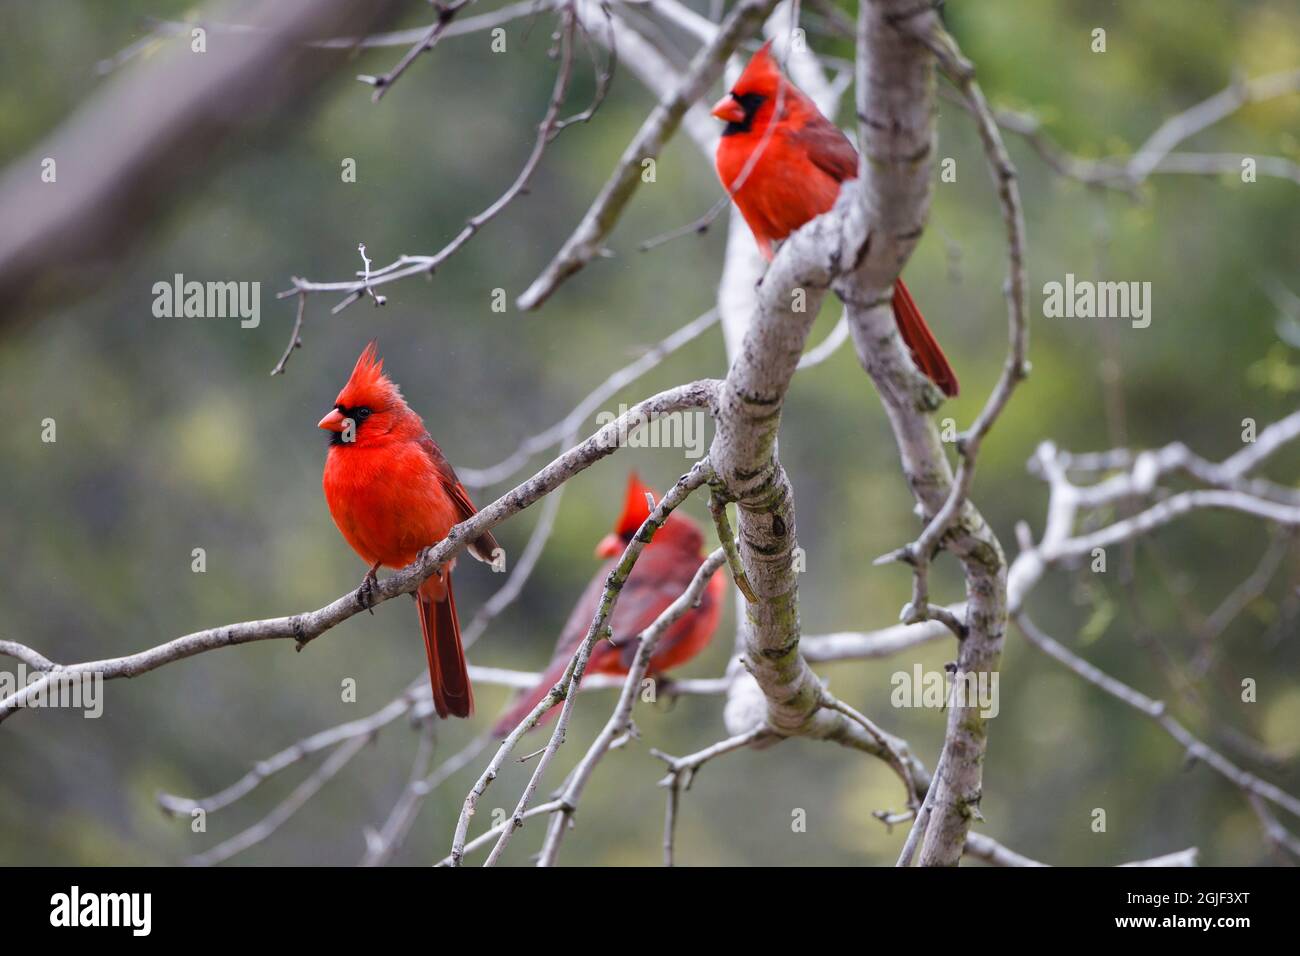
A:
295,336
895,117
364,728
406,266
1156,711
1278,836
1140,479
681,773
1127,174
301,794
981,847
597,397
380,849
1188,123
573,673
428,40
1016,365
94,208
620,721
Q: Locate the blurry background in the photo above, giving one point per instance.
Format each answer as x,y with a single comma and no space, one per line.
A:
172,436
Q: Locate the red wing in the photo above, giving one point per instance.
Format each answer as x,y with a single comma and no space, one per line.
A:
659,578
447,475
826,147
486,543
461,497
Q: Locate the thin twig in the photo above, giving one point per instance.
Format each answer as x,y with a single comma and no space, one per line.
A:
617,577
727,538
381,847
406,266
301,794
430,38
552,436
295,337
365,728
620,720
682,770
895,759
1197,750
696,228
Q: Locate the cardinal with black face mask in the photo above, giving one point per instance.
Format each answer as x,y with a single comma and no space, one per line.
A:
783,162
392,494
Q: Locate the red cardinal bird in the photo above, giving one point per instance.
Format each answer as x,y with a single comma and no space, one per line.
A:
803,160
392,494
660,575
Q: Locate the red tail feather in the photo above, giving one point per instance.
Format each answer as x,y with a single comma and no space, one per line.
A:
448,673
926,353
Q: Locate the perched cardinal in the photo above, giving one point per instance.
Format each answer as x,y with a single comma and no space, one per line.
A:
663,571
803,160
392,494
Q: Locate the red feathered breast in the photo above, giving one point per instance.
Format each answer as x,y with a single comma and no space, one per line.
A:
795,178
388,501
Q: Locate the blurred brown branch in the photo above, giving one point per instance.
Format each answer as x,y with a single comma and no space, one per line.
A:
151,129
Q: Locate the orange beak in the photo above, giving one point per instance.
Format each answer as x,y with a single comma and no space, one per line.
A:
335,421
729,110
611,546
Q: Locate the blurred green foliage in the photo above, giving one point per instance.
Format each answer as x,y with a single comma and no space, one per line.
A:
172,436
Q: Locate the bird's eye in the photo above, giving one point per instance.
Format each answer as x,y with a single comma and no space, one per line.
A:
361,414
